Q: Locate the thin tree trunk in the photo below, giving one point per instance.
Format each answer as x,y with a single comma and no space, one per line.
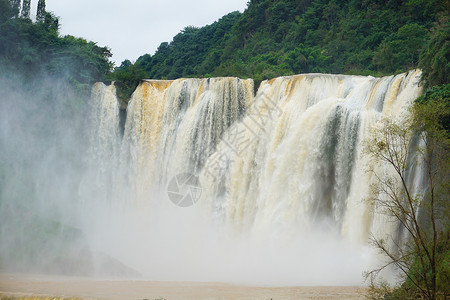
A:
40,15
26,9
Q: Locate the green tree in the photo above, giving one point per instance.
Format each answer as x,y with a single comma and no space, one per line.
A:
423,256
26,9
36,50
412,37
50,22
126,78
435,58
40,15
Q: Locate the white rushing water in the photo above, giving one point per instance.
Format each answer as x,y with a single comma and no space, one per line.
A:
278,180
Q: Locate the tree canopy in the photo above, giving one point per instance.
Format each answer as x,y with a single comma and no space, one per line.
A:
36,49
283,37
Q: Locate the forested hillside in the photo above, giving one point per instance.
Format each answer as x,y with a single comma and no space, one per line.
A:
33,51
282,37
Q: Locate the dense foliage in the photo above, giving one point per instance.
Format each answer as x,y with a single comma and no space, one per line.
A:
126,78
432,116
35,50
433,108
435,59
283,37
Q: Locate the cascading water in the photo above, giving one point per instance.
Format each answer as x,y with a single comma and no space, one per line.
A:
282,176
305,135
171,126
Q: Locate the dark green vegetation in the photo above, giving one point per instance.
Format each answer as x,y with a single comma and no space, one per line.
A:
435,57
35,51
436,98
284,37
126,78
432,117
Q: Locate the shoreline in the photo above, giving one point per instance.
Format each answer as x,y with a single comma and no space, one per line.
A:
44,286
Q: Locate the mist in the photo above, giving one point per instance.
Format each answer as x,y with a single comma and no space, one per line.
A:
44,147
82,196
186,246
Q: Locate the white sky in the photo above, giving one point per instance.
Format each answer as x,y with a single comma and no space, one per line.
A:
132,28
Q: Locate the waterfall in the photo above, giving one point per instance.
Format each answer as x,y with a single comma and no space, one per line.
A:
104,142
277,169
301,163
104,124
172,126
